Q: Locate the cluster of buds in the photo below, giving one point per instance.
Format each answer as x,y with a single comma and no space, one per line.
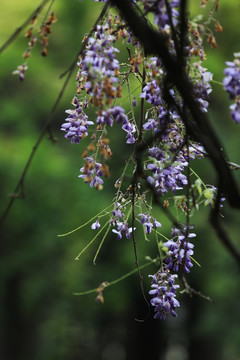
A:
104,148
45,31
32,36
92,172
99,291
135,62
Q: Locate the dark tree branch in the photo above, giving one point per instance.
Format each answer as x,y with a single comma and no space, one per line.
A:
190,291
216,223
173,30
198,124
214,217
183,30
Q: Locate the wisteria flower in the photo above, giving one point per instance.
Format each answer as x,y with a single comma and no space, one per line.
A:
122,229
149,223
235,113
231,83
96,225
164,294
21,69
92,172
117,213
76,125
152,93
180,249
203,87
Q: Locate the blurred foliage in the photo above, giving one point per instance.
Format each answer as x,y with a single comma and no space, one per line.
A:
40,318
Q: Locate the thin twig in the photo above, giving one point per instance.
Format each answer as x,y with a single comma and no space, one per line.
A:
190,291
134,184
142,106
19,188
222,234
47,12
20,28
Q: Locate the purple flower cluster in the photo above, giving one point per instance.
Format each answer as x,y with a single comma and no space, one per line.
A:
149,223
122,229
235,114
202,87
152,93
166,122
119,220
98,70
99,65
76,125
231,82
117,213
165,177
164,294
155,65
92,172
117,113
195,151
179,249
150,124
161,17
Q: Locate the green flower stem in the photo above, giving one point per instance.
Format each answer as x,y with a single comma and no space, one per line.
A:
162,235
197,263
101,243
90,243
131,105
217,82
117,280
198,177
86,223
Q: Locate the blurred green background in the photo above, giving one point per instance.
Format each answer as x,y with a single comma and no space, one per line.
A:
40,318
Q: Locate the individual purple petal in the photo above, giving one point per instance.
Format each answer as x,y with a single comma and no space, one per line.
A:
96,225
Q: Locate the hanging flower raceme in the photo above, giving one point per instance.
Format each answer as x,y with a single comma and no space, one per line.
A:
118,219
164,294
231,83
180,249
165,177
92,173
99,67
152,93
117,113
122,229
76,125
202,87
149,223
